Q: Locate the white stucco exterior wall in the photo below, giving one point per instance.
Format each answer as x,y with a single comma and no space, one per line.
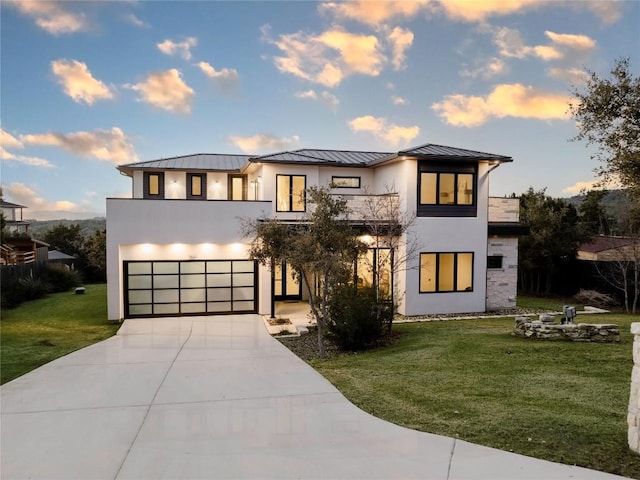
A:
177,230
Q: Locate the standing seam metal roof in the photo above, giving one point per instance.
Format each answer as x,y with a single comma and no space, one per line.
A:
235,163
200,161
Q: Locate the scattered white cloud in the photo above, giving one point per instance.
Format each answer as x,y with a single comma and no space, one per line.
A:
596,184
400,39
506,100
372,13
9,141
183,49
609,11
262,142
398,100
327,58
134,20
224,77
78,82
486,69
25,160
325,97
52,16
165,90
112,146
26,195
510,44
574,76
575,42
381,128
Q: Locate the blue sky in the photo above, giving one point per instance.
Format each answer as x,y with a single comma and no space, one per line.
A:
90,85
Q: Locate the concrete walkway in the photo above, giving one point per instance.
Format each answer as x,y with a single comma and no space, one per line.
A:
218,398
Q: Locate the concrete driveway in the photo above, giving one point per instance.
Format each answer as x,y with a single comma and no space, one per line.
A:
216,397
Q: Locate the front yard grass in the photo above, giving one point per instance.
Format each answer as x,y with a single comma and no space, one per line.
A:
470,379
40,331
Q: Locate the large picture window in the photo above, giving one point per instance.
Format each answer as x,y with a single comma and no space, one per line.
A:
290,193
446,272
153,183
446,190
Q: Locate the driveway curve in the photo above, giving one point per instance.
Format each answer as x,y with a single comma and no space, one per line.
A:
217,397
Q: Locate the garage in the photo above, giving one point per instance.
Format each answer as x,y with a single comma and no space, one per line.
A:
190,287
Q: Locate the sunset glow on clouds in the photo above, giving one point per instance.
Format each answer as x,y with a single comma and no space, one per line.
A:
513,100
90,85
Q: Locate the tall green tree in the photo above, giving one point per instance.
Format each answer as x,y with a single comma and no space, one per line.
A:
66,238
95,251
607,114
553,241
594,218
322,248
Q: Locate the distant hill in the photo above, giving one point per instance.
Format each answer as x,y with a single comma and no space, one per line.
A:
615,202
38,228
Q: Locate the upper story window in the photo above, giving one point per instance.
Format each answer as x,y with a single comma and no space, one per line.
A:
290,193
345,182
446,190
446,272
153,184
196,186
237,187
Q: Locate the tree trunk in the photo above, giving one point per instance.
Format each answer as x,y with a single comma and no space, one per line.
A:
316,313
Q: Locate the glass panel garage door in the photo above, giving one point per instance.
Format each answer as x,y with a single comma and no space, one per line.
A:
194,287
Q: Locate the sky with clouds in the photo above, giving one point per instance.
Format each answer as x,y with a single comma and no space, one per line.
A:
87,86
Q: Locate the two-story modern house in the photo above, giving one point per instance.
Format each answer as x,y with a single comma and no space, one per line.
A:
176,247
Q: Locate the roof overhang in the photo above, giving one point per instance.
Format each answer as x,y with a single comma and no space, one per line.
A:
508,229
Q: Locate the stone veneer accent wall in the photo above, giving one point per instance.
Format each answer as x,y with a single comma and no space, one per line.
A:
502,283
633,416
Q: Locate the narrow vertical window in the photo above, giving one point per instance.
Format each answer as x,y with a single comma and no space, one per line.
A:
153,185
197,183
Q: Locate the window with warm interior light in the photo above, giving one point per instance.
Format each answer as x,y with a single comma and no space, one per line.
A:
237,187
446,272
153,185
446,190
290,193
197,185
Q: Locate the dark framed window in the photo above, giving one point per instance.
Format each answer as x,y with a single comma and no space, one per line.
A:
153,184
446,272
237,187
494,261
290,193
196,186
345,182
446,190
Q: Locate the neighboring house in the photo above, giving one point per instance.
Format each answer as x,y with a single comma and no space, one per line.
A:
18,247
14,222
60,258
608,248
176,248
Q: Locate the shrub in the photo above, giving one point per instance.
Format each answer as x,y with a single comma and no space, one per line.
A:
22,290
60,279
356,318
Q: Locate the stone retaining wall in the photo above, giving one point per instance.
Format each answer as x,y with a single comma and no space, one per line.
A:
633,416
525,327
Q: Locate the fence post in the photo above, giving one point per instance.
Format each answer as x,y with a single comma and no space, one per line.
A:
633,416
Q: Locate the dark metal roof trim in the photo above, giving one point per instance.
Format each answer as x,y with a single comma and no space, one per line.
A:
508,229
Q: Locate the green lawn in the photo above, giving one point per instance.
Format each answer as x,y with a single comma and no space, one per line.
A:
554,304
40,331
470,379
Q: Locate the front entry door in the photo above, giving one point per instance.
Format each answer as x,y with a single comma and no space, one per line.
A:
287,286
